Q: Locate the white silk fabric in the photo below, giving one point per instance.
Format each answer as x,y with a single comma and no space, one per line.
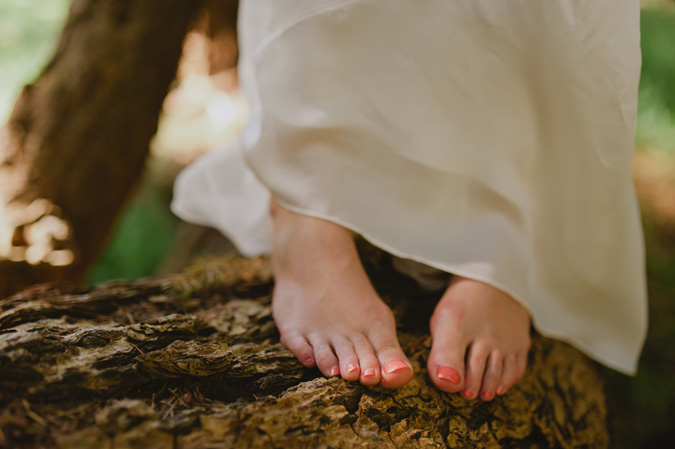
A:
487,138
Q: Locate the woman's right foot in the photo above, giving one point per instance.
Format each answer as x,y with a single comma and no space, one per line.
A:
326,310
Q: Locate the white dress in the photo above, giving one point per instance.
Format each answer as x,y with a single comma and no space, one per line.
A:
488,138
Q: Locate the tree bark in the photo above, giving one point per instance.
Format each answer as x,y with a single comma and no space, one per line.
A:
77,139
194,361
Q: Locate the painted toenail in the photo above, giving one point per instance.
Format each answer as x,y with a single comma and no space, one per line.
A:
308,361
468,393
334,371
395,365
350,368
500,390
370,372
448,373
487,394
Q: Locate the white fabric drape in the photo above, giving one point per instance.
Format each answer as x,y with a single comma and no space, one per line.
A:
487,138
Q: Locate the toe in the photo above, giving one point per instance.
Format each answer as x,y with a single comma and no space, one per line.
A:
492,377
509,375
299,346
349,361
521,364
446,362
396,369
370,366
326,360
514,368
475,371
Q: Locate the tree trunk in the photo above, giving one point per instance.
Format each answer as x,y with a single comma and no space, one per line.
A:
194,361
77,139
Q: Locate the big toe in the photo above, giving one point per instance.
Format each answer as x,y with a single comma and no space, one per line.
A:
446,366
396,370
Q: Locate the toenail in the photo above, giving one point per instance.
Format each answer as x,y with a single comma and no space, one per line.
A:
350,368
487,394
448,373
370,372
468,393
334,371
500,390
308,361
395,365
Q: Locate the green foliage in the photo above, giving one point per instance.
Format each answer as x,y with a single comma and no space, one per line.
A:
142,239
656,113
28,33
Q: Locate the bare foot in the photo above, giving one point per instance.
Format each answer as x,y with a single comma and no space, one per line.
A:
477,324
325,307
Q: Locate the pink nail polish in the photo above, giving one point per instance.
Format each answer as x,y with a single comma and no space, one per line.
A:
468,393
487,394
309,361
500,390
395,365
448,373
350,368
334,371
370,372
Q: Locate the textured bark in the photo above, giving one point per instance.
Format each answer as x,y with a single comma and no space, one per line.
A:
194,361
76,142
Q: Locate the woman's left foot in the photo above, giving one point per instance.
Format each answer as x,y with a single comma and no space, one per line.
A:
481,337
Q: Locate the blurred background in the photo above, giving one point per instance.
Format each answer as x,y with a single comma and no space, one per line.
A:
205,109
